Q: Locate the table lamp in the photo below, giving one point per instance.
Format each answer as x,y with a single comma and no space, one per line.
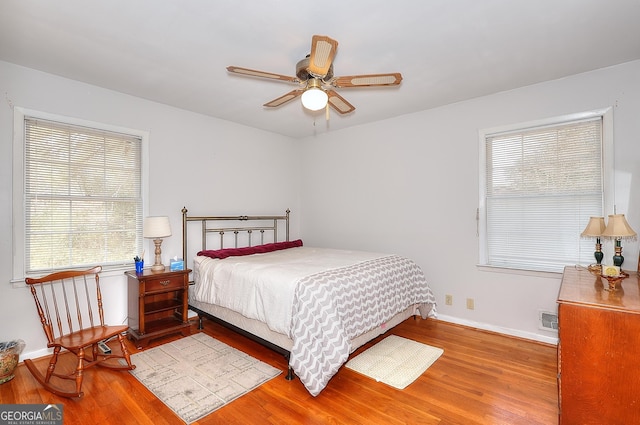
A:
618,229
594,229
157,228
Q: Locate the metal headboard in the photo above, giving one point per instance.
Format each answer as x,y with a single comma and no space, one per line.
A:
266,223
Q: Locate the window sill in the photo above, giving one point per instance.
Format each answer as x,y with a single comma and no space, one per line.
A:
105,273
506,270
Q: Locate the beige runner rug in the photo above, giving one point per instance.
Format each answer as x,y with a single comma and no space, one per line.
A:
395,361
198,374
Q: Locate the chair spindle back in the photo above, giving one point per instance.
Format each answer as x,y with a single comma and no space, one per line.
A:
67,301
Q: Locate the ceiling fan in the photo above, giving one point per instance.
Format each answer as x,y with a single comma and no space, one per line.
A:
315,76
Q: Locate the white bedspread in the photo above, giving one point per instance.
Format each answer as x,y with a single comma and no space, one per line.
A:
262,286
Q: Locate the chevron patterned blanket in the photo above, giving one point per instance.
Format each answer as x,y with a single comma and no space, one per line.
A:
332,307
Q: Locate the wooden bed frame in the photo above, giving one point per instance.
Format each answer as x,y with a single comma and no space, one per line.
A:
242,230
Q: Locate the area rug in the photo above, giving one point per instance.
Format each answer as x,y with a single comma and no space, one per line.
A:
395,361
196,375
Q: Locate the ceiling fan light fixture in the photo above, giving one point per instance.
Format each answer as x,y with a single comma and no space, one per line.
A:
314,98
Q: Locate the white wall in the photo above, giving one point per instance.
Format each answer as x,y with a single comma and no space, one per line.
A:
205,164
410,185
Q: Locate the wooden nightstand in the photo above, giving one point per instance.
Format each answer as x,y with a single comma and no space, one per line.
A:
158,304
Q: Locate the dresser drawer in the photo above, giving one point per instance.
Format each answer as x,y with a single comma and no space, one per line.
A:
164,283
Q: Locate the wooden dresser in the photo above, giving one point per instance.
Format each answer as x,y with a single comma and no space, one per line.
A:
599,350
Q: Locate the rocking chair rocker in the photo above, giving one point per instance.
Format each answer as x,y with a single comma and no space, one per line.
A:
69,304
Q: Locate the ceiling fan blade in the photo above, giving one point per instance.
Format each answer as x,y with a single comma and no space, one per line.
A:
339,103
370,80
323,50
261,74
284,98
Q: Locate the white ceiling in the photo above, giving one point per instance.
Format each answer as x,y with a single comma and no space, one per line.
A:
175,52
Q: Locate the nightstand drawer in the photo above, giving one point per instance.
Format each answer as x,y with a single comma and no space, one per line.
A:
165,283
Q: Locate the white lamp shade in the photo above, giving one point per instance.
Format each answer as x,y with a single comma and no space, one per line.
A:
314,99
617,227
156,227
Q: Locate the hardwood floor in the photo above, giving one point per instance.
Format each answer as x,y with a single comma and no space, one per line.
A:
482,378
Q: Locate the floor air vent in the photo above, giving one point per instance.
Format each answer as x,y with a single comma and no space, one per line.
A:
548,321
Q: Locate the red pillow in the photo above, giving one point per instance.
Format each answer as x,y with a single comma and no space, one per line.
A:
236,252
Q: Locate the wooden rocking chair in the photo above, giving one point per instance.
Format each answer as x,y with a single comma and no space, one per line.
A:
69,304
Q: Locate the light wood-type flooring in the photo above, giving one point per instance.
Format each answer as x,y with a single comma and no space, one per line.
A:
482,378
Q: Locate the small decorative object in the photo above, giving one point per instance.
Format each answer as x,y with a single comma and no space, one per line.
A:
614,281
139,264
611,271
157,228
176,264
618,229
9,357
594,229
614,276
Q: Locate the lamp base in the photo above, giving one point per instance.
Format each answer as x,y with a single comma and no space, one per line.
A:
618,259
157,268
599,255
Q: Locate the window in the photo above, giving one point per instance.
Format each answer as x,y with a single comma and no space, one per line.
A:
80,190
540,183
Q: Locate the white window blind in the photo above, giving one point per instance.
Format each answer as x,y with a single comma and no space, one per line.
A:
542,185
82,196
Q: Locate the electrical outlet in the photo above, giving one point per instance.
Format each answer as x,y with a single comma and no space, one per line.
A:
448,299
470,303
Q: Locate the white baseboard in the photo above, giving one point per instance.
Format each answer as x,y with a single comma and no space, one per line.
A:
499,329
36,354
484,326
